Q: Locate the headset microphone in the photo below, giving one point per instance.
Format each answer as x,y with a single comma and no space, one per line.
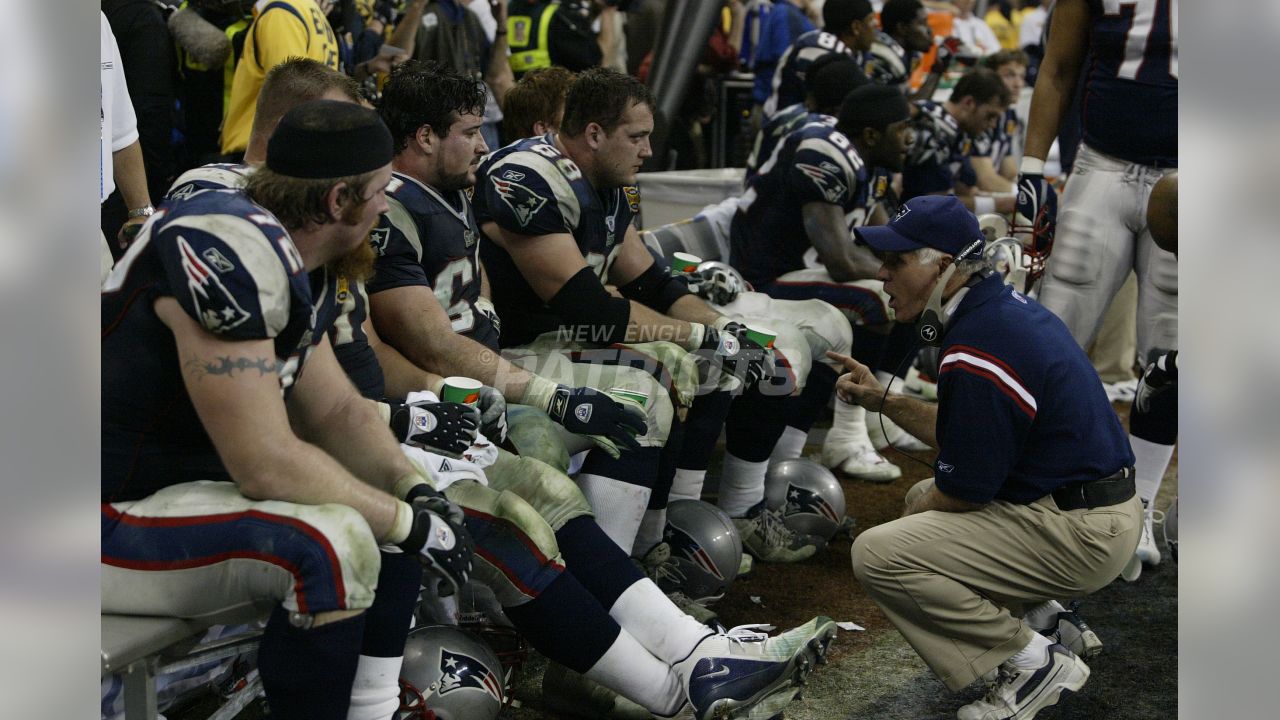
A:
929,326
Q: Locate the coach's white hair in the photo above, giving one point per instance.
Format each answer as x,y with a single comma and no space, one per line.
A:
928,256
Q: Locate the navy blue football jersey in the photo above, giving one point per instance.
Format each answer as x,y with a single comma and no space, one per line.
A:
782,124
431,239
215,176
789,76
889,63
1130,105
939,155
531,188
998,141
351,344
816,163
234,270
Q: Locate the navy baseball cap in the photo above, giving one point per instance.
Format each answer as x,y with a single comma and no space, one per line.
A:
941,222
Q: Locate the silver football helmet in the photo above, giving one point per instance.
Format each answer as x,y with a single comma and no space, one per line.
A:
810,497
719,284
449,674
1171,529
706,550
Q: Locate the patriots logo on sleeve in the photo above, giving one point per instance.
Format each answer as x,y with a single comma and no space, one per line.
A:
217,307
825,178
524,202
378,238
462,672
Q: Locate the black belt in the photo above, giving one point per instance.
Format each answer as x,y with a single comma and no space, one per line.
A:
1111,490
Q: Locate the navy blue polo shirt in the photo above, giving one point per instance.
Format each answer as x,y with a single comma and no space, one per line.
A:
1021,411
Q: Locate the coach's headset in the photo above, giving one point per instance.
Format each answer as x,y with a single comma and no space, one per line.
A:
929,327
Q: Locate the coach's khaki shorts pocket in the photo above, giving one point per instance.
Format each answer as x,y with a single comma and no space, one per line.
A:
1105,522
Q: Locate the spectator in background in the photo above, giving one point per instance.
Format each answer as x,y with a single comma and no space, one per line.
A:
280,30
209,38
120,154
778,29
977,37
535,105
995,153
1032,28
1004,18
454,36
146,56
543,33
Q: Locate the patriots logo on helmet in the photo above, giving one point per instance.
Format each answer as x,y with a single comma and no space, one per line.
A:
830,186
683,545
462,672
800,500
524,202
219,311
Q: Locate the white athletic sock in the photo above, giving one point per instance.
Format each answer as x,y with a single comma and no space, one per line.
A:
1034,655
741,484
687,484
790,446
618,506
1043,616
661,627
886,378
375,694
650,532
848,430
631,671
1151,460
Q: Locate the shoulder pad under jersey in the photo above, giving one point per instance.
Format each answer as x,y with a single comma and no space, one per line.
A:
215,176
531,188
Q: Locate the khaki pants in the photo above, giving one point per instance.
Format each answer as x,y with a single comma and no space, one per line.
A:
956,584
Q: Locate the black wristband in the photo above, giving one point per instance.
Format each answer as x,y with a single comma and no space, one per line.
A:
417,538
399,423
656,288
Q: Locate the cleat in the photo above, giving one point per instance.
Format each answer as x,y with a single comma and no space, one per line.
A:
747,675
767,537
1075,634
869,465
1148,551
1020,694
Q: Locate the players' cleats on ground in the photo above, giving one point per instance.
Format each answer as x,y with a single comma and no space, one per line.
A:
695,609
569,694
746,675
1021,694
1074,634
861,463
1148,549
891,434
1122,391
767,537
920,385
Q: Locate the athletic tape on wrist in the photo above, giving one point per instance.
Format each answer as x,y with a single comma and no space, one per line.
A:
403,524
1031,166
697,331
983,204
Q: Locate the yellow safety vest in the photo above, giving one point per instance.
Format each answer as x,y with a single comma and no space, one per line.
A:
526,56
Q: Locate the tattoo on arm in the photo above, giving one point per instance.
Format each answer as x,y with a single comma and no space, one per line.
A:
225,365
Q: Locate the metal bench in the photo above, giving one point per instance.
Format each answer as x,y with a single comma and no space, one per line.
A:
140,648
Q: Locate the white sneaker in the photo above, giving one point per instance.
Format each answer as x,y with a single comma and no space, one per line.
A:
1121,392
743,674
1148,549
1074,633
1023,693
901,439
862,463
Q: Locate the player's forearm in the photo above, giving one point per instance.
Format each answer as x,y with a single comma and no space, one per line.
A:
988,179
357,436
917,417
402,376
692,308
130,176
928,87
301,473
499,78
648,325
1056,81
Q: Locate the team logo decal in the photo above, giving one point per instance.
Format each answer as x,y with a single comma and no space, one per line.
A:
524,202
826,180
902,212
684,546
378,238
582,412
632,194
424,422
729,345
217,260
800,501
463,672
218,309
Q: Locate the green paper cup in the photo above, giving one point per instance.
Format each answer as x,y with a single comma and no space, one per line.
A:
637,397
684,262
762,335
463,390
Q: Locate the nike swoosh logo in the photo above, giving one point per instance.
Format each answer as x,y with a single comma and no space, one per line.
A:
719,673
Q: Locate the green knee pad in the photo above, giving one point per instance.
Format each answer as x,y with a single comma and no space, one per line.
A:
534,434
554,496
